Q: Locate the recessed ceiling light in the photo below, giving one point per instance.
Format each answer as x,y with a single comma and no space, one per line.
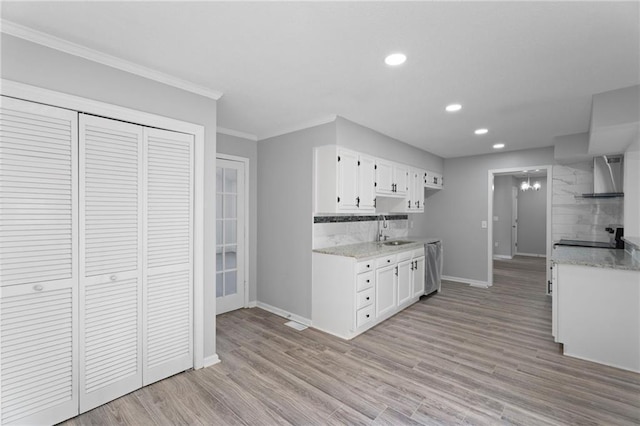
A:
537,170
395,59
481,131
498,146
453,107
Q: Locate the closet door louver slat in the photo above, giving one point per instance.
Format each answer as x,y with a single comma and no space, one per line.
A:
168,294
38,263
111,202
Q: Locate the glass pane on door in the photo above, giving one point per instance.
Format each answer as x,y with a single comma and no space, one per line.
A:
226,231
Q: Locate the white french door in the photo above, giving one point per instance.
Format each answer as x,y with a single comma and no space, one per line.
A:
230,235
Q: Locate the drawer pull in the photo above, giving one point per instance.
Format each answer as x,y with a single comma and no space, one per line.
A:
368,266
38,287
368,298
113,278
368,281
388,260
367,315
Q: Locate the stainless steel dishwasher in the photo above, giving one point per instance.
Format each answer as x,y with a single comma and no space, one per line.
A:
433,269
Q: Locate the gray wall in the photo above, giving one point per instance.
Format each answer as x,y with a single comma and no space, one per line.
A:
532,219
455,213
33,64
285,221
246,148
285,204
502,207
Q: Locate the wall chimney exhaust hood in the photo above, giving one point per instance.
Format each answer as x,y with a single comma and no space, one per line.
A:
607,177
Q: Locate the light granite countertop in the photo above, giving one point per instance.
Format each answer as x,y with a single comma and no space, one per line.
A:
375,249
634,241
596,257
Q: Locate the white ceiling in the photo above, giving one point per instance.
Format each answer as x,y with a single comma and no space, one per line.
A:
525,70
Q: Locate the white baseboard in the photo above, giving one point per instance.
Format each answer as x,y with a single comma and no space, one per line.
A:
284,314
531,254
252,304
502,256
211,360
472,283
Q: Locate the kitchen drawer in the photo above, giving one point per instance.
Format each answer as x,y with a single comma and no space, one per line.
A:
405,255
364,298
364,316
364,281
418,252
385,261
365,266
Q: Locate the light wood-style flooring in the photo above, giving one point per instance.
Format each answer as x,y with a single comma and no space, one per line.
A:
464,356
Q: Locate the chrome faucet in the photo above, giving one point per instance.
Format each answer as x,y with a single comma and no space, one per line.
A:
380,236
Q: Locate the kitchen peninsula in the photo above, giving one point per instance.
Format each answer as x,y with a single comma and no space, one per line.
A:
596,304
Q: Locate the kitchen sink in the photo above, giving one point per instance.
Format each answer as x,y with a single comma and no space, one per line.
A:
396,243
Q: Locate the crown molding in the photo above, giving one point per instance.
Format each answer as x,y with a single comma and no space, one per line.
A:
38,37
236,133
301,126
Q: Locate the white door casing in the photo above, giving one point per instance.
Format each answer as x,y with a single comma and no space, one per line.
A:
230,235
514,220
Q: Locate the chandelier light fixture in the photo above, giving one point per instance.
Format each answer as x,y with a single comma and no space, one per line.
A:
526,186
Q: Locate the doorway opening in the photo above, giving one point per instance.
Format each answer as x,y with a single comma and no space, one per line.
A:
231,231
519,225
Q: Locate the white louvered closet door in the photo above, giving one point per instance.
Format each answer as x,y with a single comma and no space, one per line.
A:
111,203
168,290
38,263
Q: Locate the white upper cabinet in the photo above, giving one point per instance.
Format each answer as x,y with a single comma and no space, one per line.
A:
401,179
433,180
344,181
384,177
366,182
392,179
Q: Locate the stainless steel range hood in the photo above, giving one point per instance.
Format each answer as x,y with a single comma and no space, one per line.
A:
607,177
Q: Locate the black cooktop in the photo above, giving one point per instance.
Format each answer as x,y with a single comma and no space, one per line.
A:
578,243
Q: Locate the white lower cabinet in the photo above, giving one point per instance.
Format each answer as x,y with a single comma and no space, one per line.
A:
418,275
349,296
386,293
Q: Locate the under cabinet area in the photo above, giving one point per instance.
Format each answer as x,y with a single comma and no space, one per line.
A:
351,295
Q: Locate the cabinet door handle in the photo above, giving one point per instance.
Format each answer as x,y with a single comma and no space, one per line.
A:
357,201
409,205
418,203
396,271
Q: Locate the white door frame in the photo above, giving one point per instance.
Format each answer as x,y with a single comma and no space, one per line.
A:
245,162
490,176
49,97
514,220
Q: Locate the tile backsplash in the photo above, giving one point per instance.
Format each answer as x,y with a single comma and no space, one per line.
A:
343,233
581,218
